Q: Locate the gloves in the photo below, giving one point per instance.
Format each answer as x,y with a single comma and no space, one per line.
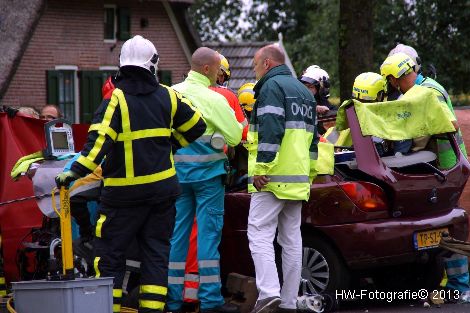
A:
64,179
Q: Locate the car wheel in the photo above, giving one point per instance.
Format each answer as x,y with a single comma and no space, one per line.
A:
323,271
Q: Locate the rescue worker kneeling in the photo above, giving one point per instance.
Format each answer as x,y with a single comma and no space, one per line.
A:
134,130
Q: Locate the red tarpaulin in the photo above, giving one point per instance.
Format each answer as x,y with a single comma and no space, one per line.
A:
20,136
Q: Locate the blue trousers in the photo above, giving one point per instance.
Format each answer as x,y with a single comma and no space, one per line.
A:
204,199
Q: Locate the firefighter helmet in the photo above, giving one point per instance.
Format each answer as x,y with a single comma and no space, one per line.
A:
397,65
246,96
139,51
368,86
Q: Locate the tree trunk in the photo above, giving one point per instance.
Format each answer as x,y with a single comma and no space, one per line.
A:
355,42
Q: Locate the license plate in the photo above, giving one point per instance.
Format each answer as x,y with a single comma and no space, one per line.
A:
428,239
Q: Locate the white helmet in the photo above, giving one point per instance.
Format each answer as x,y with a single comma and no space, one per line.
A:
409,51
139,51
315,75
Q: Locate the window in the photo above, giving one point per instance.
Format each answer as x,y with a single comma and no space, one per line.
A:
61,91
117,23
91,83
109,23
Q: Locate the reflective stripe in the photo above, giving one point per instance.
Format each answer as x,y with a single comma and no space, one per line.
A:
441,90
442,99
174,104
95,265
99,225
110,109
268,147
116,308
191,277
144,133
3,293
126,128
300,125
177,265
444,145
284,179
199,158
209,279
180,138
175,280
191,293
159,290
244,123
208,263
270,109
151,304
87,163
189,124
104,130
253,128
132,263
452,271
204,139
139,180
117,293
2,280
314,155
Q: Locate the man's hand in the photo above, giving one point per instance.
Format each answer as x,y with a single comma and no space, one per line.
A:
260,181
64,179
322,109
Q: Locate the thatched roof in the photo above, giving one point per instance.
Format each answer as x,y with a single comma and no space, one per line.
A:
18,19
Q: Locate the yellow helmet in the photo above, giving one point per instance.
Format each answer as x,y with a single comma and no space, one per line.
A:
397,65
246,96
224,65
367,86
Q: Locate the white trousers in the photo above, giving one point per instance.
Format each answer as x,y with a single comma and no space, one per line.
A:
266,213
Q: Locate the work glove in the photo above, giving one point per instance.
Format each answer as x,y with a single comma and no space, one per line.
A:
64,179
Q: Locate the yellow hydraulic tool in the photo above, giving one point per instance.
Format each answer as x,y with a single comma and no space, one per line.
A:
65,233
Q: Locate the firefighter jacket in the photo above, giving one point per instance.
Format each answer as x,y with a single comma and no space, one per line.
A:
447,156
133,130
200,161
282,138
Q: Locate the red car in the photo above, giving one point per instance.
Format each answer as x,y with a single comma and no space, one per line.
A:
373,212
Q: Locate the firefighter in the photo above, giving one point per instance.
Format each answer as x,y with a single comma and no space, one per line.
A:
447,157
317,81
200,168
399,70
135,130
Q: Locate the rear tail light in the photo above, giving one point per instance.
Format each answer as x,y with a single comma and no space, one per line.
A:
366,196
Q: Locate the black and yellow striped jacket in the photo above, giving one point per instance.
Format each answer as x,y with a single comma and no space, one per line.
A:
132,133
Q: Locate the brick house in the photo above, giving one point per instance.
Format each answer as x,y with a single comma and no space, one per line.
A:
61,51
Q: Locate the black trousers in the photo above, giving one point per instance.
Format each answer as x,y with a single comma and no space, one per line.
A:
152,225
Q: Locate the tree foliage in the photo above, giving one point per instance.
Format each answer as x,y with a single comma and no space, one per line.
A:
438,30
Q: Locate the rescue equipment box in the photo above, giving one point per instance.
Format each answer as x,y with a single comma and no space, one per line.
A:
82,295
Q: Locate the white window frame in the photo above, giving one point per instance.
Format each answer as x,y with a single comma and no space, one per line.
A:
73,68
111,6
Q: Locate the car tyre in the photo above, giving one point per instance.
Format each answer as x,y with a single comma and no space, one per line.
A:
323,270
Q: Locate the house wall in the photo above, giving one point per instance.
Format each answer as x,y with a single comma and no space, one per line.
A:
70,32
